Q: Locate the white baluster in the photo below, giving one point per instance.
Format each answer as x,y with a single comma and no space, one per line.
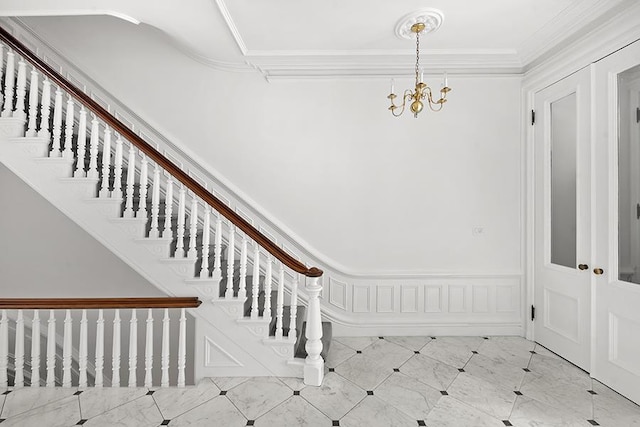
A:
21,91
9,76
167,231
82,351
93,148
133,348
181,219
33,103
144,182
206,233
35,349
81,144
182,348
155,203
115,356
66,350
1,74
231,257
255,289
280,303
267,288
131,180
116,193
4,349
193,228
19,352
242,287
106,163
57,124
51,350
67,153
313,364
217,251
148,352
293,334
164,382
45,109
99,381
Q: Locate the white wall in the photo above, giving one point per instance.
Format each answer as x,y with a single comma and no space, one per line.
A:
46,255
376,194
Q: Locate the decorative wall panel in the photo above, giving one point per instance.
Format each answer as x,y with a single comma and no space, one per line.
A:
409,299
385,299
337,293
361,299
457,298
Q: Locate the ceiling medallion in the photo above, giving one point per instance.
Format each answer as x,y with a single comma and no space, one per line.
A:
430,18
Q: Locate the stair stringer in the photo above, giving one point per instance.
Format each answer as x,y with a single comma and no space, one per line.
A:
225,329
256,355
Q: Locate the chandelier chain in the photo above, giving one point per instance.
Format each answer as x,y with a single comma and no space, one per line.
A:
417,56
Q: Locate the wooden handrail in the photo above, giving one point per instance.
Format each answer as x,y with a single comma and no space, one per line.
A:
157,157
96,303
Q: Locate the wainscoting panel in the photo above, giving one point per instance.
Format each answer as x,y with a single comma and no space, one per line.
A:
457,298
440,305
409,298
337,293
362,299
385,299
433,299
481,299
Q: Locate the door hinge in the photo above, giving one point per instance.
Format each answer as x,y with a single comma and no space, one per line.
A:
533,117
533,313
637,210
637,115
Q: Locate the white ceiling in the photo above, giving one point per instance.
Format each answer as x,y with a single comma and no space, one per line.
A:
283,38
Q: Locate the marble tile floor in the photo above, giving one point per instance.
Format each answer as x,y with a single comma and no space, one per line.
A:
373,381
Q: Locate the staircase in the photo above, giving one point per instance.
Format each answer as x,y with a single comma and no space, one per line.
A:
164,224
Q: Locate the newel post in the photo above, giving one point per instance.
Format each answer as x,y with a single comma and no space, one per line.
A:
313,364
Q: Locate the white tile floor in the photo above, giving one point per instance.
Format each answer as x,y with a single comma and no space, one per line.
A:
386,382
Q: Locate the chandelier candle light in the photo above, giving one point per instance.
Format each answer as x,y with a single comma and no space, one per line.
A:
424,21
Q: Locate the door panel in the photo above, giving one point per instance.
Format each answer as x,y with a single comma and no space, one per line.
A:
562,218
616,290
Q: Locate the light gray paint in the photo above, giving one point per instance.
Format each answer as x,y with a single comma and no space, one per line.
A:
44,254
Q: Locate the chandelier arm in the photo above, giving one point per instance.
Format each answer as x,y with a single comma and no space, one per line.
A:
439,102
393,111
435,109
394,107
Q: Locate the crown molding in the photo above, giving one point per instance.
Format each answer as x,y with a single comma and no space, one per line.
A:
290,64
71,12
226,15
572,22
617,32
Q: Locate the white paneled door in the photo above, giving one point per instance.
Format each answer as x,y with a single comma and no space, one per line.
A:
616,346
563,218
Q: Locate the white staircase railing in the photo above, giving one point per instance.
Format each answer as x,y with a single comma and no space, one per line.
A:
74,315
96,147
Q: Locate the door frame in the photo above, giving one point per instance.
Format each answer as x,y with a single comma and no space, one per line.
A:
618,32
576,349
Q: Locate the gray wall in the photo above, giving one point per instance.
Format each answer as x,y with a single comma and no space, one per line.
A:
44,254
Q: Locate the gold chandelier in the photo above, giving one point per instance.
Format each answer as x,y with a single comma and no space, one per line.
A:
421,92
